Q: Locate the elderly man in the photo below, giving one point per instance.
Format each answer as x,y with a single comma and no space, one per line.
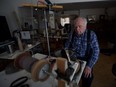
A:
85,45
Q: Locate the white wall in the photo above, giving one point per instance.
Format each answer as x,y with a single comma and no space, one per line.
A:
7,8
112,13
72,1
96,12
99,11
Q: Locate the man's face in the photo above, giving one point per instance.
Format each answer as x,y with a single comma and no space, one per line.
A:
80,26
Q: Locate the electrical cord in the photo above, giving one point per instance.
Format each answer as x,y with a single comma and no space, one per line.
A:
18,82
25,85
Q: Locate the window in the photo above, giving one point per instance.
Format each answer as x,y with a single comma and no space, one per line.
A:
64,20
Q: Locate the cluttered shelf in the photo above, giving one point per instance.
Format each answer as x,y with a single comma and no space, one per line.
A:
7,55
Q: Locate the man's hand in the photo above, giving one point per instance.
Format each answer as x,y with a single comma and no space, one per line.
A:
87,72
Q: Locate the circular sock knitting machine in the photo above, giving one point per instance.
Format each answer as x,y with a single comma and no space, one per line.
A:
37,68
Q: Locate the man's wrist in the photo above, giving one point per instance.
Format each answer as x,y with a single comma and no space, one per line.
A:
90,65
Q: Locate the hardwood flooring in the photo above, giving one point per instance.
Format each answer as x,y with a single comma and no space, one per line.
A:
103,76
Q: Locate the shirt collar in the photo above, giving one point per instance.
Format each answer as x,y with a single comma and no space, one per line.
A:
81,34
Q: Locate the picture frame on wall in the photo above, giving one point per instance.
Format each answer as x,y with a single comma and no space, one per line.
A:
25,35
91,18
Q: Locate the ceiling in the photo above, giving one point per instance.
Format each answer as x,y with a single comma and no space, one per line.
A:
88,5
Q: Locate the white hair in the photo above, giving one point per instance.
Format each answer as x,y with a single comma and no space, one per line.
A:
83,18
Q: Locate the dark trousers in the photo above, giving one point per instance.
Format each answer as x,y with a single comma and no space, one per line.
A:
86,82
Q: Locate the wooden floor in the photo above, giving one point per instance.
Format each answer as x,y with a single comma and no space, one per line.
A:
103,76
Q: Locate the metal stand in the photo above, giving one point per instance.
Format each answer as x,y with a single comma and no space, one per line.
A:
47,33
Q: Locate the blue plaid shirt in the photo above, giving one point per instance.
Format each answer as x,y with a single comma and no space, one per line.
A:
79,45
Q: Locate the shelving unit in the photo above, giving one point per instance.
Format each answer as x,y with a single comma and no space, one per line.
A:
41,13
17,52
42,6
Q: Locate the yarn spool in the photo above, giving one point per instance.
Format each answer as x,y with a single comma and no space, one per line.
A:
24,61
37,68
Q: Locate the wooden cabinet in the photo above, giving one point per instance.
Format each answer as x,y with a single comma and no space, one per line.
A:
99,28
105,30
